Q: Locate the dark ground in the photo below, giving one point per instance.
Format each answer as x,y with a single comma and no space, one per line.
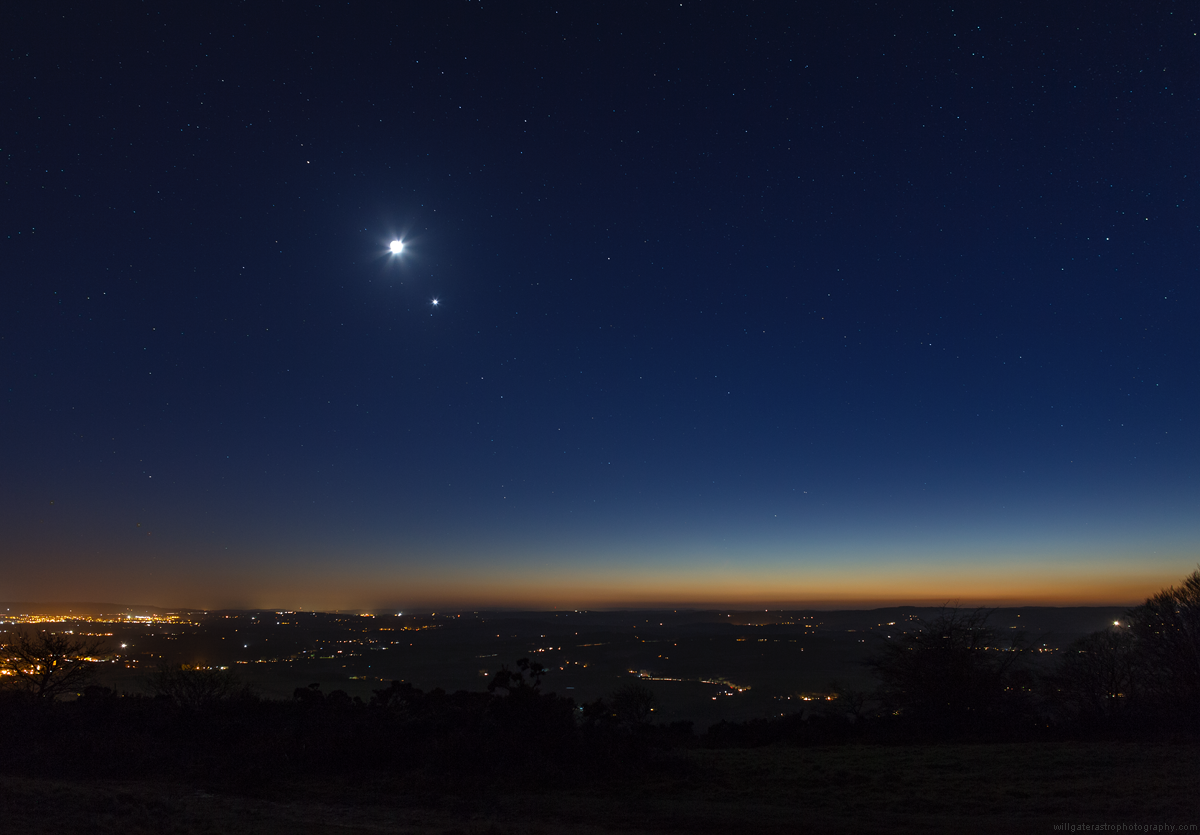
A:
1000,788
851,788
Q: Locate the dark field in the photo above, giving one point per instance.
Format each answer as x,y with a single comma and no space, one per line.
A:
1001,788
139,765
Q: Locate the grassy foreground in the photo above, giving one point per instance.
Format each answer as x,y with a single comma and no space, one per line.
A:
1001,788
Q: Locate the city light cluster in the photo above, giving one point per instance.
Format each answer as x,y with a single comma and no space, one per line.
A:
24,619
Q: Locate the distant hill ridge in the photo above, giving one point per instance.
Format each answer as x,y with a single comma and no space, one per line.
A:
27,608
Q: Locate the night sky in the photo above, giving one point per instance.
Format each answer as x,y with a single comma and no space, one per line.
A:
736,303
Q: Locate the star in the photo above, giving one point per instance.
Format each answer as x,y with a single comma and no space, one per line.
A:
396,247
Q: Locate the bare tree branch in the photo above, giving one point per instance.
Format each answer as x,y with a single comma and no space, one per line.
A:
47,665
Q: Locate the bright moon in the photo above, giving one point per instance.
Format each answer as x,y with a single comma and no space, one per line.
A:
396,247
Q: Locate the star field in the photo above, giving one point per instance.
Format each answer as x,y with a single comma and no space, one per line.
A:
354,306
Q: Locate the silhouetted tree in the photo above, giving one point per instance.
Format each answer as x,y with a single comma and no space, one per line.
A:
1166,633
633,704
399,695
194,688
1097,677
341,700
310,695
598,713
954,671
848,702
47,665
514,681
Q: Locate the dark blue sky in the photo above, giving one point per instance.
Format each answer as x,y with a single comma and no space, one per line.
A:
736,302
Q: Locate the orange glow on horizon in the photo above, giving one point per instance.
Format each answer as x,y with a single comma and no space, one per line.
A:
316,589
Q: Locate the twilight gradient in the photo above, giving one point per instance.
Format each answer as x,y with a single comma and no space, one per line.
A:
830,307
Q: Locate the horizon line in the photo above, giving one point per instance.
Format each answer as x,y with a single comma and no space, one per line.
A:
88,607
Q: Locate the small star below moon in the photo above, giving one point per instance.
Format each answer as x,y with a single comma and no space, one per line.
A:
396,247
